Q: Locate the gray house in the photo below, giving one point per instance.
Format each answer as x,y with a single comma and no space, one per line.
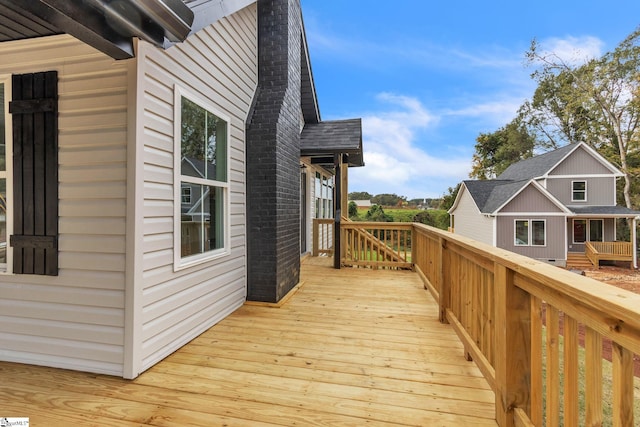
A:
557,207
150,172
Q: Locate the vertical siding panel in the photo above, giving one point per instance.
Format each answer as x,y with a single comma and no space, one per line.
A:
76,320
219,63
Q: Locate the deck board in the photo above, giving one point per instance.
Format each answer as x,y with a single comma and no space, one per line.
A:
352,346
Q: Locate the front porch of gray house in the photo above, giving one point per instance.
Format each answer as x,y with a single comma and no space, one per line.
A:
417,327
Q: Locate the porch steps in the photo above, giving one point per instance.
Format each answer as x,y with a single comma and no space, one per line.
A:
578,261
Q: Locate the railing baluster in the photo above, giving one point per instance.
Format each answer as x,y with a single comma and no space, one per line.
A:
571,391
593,382
622,386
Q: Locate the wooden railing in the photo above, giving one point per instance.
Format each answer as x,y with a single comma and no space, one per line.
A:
376,244
509,311
609,251
322,236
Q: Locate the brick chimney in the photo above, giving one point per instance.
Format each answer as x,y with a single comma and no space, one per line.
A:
273,155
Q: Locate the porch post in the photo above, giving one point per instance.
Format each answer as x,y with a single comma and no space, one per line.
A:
633,242
337,203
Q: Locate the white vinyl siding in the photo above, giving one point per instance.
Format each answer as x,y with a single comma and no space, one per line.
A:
219,64
76,319
470,222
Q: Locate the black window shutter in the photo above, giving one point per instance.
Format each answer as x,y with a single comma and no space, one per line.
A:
34,107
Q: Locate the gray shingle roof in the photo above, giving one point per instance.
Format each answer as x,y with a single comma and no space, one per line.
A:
332,137
536,166
489,195
603,210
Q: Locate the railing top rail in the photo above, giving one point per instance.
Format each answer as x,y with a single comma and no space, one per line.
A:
378,225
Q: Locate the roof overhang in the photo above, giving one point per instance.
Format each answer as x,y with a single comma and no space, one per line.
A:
603,212
108,26
324,140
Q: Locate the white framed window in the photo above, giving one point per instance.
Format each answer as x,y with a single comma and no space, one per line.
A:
578,191
596,230
6,175
324,195
201,181
530,232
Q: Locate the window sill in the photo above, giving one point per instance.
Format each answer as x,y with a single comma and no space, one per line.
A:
195,260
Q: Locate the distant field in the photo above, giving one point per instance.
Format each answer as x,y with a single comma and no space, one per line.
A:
407,215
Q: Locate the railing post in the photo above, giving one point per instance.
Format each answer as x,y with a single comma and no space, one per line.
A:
316,237
337,246
445,280
512,346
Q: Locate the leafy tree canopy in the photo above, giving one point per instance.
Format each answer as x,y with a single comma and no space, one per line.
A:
496,151
360,195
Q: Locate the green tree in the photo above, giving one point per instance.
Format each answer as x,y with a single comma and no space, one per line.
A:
496,151
449,198
388,199
360,195
353,209
602,98
376,213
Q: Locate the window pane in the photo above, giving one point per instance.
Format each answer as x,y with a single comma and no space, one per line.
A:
204,143
579,230
202,223
3,155
595,230
538,233
579,191
522,233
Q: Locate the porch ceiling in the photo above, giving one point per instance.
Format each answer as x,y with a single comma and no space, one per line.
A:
107,26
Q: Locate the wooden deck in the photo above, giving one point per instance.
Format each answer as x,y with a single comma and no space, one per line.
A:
351,347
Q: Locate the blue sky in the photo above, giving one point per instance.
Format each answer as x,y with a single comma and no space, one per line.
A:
428,77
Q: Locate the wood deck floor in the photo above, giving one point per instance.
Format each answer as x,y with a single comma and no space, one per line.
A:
351,347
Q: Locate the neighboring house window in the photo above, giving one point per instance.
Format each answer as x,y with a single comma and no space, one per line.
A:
186,195
578,191
201,181
530,232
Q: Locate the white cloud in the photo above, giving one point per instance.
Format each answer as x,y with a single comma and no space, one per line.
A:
395,163
573,51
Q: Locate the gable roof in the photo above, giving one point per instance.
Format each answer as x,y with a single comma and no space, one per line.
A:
491,195
536,166
541,165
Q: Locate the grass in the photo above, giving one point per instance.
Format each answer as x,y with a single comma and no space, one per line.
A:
607,386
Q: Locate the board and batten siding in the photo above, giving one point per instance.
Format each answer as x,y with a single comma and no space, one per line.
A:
530,200
555,240
580,162
601,191
76,320
470,222
219,65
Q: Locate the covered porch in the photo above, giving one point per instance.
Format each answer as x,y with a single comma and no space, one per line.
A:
593,236
349,347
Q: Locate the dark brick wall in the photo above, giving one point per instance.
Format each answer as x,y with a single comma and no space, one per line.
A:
273,155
